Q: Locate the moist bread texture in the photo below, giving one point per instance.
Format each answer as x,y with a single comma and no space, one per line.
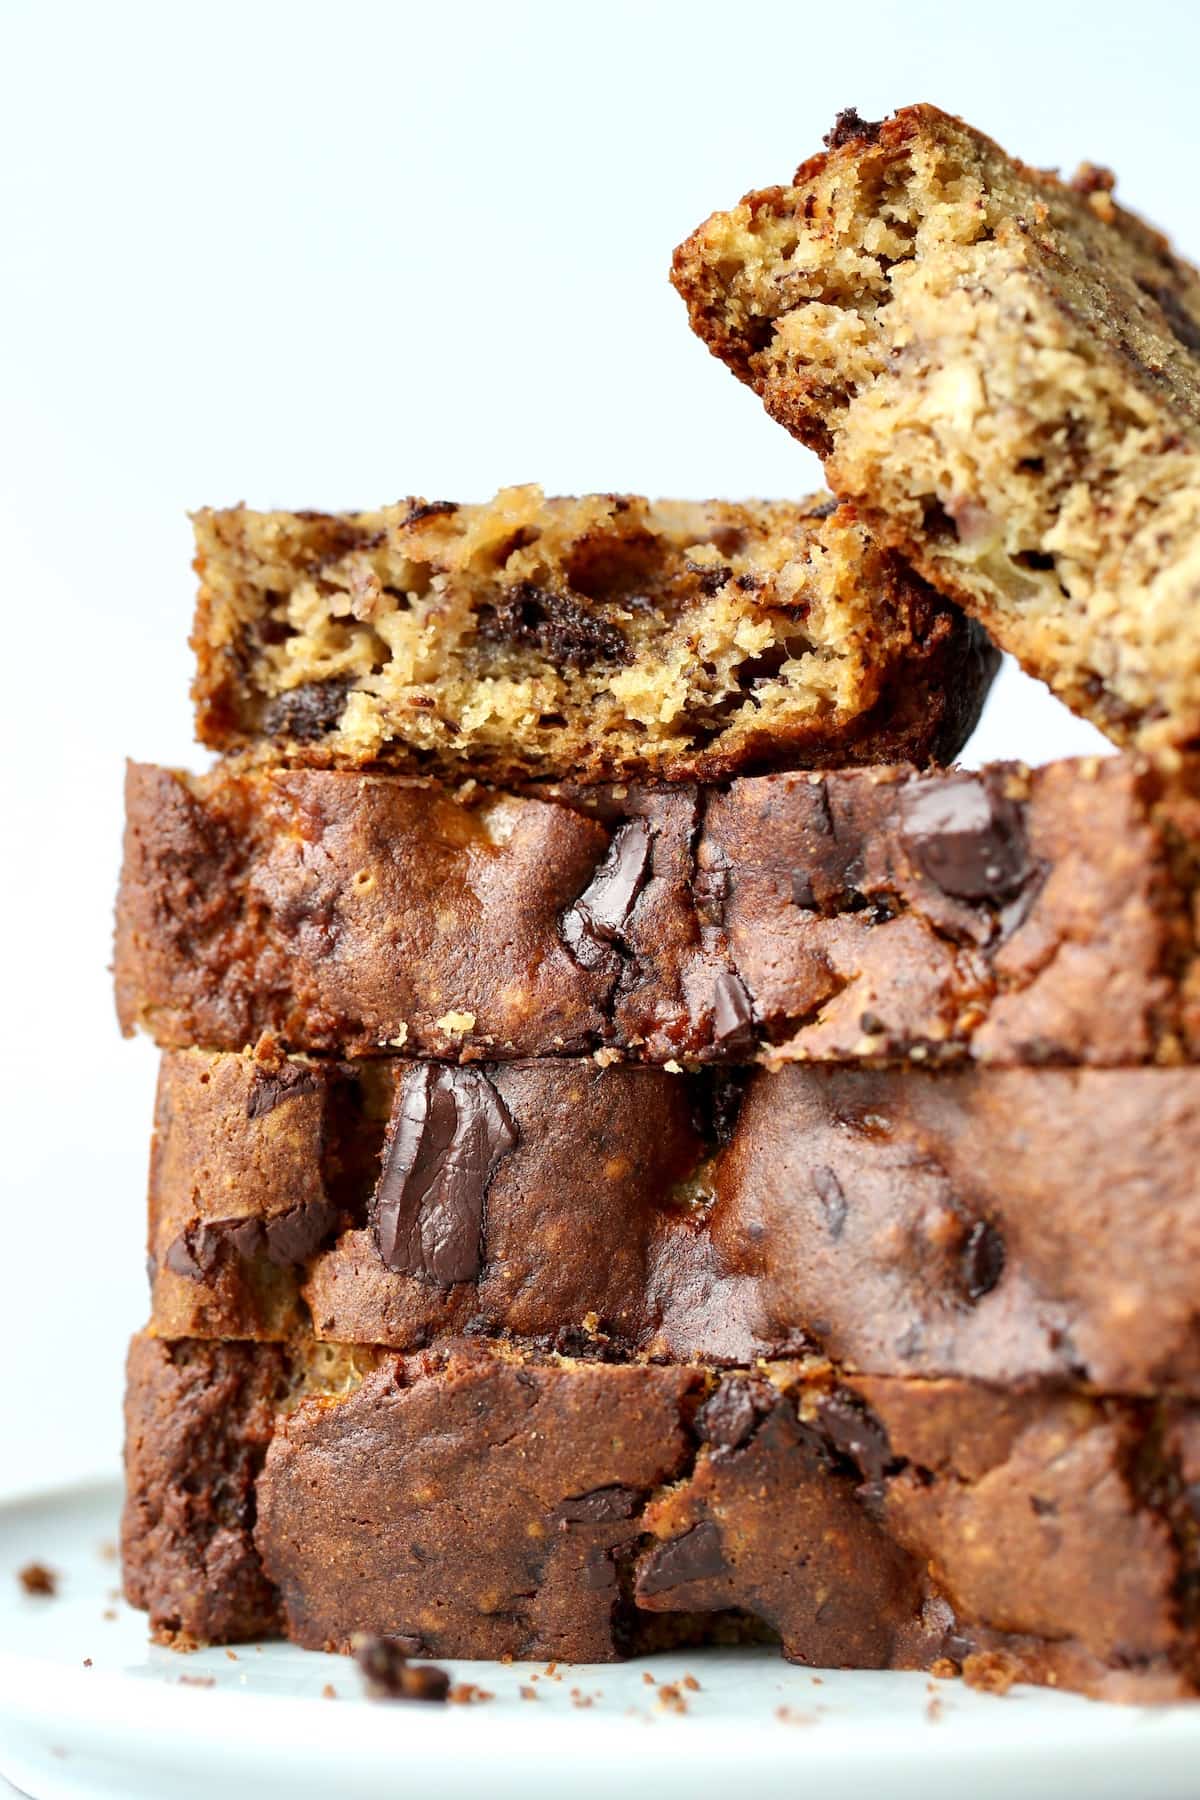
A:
1015,1226
1001,371
607,637
862,1523
855,915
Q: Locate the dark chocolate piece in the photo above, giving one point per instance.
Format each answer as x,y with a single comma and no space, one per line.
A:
982,1259
696,1556
850,125
307,712
287,1240
600,1506
270,1089
733,1016
600,915
733,1412
967,836
854,1431
555,624
449,1130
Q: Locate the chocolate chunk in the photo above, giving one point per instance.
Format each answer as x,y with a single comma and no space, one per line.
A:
733,1015
556,625
733,1413
983,1259
287,1240
849,127
291,1237
429,509
710,888
695,1556
599,916
288,1082
599,1572
966,837
710,577
854,1431
308,711
832,1196
390,1676
448,1131
600,1506
194,1254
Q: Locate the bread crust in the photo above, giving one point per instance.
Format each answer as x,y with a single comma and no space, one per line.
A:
621,1508
856,915
1012,1226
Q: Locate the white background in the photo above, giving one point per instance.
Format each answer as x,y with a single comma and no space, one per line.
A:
328,256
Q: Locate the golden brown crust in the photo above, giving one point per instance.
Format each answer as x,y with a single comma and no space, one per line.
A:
873,914
1001,370
604,638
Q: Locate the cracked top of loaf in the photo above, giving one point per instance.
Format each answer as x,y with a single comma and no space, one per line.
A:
1002,371
599,638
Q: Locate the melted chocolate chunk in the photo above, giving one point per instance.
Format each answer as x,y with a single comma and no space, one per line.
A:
287,1240
599,916
710,577
832,1196
710,888
428,509
850,127
599,1572
286,1083
695,1556
983,1259
600,1507
733,1015
854,1431
733,1413
555,625
390,1676
308,711
448,1131
966,837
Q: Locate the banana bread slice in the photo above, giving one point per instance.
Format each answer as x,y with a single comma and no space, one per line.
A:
1002,372
607,637
475,1502
858,914
1011,1225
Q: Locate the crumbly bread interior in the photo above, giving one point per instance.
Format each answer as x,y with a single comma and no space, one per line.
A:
529,636
1002,370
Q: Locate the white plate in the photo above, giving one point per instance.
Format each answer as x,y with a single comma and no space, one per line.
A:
143,1723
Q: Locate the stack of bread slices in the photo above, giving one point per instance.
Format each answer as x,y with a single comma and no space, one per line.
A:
646,1152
